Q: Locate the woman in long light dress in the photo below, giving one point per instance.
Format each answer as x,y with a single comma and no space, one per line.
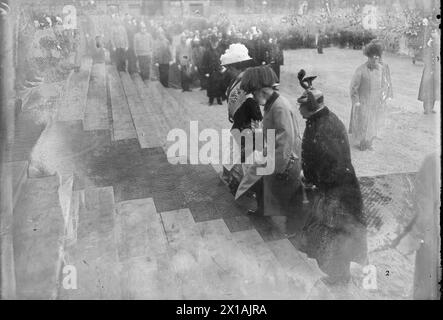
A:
371,88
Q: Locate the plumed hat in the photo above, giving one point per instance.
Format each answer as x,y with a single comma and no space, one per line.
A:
311,97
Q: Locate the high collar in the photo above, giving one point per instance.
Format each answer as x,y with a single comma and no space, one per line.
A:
318,114
373,67
271,101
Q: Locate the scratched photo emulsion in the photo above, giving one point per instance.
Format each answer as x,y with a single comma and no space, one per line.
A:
220,150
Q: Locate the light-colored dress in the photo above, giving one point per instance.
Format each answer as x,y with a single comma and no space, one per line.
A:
430,81
371,87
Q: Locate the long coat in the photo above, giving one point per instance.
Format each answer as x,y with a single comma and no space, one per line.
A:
211,65
430,81
336,231
279,195
371,88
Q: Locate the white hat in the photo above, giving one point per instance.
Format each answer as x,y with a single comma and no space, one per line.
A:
236,52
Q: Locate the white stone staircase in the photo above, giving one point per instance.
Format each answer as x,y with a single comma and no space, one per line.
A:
130,251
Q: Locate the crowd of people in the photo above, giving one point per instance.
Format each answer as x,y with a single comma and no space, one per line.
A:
188,59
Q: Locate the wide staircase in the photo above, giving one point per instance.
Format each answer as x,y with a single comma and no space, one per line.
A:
87,241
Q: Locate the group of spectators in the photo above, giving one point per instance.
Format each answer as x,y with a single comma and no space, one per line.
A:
187,59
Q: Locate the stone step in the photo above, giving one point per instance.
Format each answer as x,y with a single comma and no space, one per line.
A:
73,103
233,266
96,111
155,107
173,110
143,121
151,123
270,277
123,127
197,272
141,231
38,230
145,272
299,267
94,255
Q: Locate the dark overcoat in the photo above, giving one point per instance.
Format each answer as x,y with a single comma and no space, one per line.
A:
336,231
211,65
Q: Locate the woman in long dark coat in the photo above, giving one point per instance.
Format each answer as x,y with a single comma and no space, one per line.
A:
212,70
335,233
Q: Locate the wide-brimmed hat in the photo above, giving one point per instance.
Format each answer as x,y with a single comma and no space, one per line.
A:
236,52
256,78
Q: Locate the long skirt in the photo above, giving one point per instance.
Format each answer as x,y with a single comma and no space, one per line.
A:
427,93
203,79
120,59
132,60
185,78
367,121
144,63
215,85
163,70
333,236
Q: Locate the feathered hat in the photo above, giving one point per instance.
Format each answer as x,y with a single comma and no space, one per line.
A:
311,96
